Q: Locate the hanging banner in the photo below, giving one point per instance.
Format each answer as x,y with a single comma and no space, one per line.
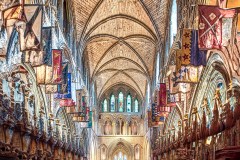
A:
87,113
84,104
174,86
155,112
188,74
57,66
67,103
30,31
70,110
172,99
11,16
90,119
232,3
78,119
212,2
190,53
164,109
37,58
186,47
65,88
162,95
79,100
149,118
198,57
49,89
47,45
210,26
84,124
43,74
87,124
62,88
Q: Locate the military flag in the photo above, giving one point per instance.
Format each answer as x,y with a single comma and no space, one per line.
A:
30,35
174,85
229,3
67,103
190,54
162,95
62,88
57,66
50,88
210,26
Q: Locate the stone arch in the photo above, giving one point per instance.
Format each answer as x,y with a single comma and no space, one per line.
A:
103,152
137,151
216,66
121,145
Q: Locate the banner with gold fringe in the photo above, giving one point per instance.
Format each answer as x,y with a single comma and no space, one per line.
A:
210,26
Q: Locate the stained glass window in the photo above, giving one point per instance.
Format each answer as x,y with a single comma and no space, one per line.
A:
120,102
136,106
112,103
120,156
129,103
105,106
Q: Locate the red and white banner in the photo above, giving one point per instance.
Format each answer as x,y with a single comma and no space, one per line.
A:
67,103
57,66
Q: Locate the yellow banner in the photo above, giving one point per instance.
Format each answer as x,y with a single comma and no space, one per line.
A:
233,3
212,2
186,46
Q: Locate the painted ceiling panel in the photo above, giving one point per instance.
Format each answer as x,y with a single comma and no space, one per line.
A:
122,64
96,48
108,8
120,27
120,51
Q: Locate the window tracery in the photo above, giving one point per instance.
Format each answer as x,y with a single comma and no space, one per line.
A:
136,107
105,106
120,102
129,103
112,103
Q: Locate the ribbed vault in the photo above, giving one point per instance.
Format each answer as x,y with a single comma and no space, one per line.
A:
119,39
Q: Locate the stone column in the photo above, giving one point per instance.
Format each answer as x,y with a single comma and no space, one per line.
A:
108,104
113,127
133,103
126,128
116,104
124,104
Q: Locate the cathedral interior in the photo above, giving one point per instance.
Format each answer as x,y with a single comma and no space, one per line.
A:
119,79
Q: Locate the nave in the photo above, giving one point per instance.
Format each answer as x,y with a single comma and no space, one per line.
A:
119,79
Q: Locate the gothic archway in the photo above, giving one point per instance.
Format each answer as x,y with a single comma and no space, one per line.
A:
121,148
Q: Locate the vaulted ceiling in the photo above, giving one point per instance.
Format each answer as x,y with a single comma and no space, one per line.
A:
119,38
